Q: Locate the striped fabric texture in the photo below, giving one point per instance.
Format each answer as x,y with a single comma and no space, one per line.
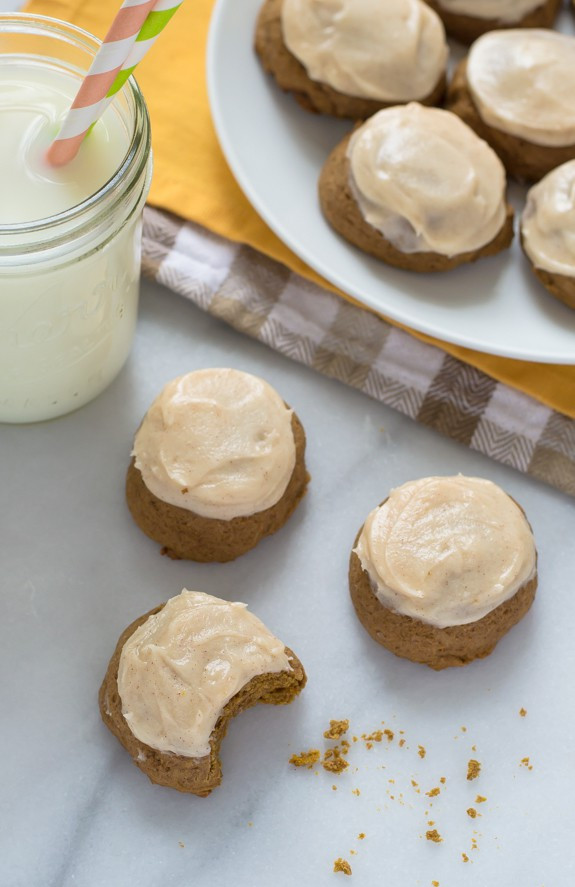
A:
315,327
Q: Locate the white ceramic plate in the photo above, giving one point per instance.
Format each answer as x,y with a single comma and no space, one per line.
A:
276,150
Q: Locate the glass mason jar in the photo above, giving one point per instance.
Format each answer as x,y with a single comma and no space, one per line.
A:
69,282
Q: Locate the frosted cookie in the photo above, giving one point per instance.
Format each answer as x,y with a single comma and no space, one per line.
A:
548,232
516,89
443,569
218,463
177,677
354,57
416,188
466,20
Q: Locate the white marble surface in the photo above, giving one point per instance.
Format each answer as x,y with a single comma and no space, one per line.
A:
76,570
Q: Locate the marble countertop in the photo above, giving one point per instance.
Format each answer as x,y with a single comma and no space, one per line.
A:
76,570
75,812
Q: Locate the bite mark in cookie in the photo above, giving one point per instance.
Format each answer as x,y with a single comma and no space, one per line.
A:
177,677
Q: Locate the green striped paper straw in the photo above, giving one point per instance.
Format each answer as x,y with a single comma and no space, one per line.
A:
153,26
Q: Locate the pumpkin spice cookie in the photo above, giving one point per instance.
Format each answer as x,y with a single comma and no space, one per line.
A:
218,464
466,20
352,59
516,89
547,228
443,569
416,188
177,677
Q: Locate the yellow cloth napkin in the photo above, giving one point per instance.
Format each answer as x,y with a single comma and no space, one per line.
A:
192,179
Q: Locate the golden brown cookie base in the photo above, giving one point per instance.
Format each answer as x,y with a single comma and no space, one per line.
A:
197,776
185,534
560,286
467,28
524,160
312,95
341,210
436,647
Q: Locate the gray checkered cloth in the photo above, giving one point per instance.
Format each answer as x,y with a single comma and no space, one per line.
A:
266,300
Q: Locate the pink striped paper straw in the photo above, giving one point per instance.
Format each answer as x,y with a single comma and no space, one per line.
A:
110,58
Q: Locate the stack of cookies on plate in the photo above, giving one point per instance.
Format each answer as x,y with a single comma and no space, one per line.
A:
420,181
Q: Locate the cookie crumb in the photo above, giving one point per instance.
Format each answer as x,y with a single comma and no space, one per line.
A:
473,769
361,836
401,743
336,729
433,835
342,865
480,799
525,763
336,765
433,792
334,788
181,844
356,792
333,761
389,734
522,712
471,811
465,857
306,758
421,751
443,780
435,884
464,729
370,738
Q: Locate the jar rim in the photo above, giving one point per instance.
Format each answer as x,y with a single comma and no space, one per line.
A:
140,137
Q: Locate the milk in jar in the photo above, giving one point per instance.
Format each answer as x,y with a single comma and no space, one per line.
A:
69,236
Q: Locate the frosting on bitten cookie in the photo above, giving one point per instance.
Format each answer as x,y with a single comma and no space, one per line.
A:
178,670
388,50
217,442
447,551
500,10
423,179
548,221
523,83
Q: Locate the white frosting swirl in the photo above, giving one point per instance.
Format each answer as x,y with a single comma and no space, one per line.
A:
523,83
218,442
548,221
425,180
388,50
183,665
447,550
507,11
